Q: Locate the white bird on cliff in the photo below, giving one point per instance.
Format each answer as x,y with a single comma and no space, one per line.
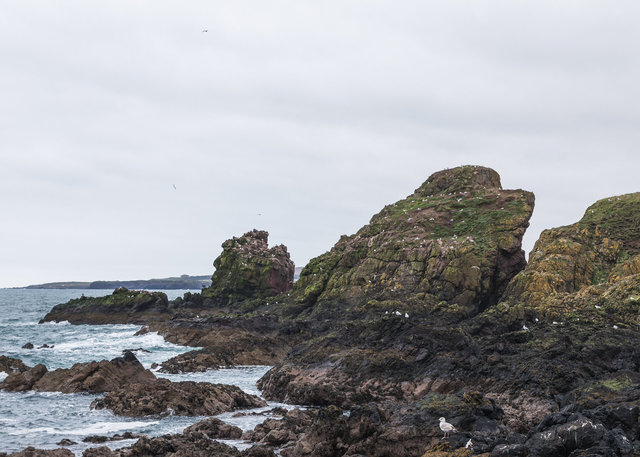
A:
446,427
469,444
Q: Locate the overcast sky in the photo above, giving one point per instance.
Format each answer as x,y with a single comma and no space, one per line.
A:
302,118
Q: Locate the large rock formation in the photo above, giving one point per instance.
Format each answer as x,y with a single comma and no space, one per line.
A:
248,268
590,269
93,377
185,398
122,306
454,243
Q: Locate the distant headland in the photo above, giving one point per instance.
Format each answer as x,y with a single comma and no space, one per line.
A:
178,282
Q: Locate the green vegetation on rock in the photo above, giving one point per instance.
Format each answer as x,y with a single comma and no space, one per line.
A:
248,269
456,239
588,270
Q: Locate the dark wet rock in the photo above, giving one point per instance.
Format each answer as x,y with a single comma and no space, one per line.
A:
248,268
11,365
230,347
185,398
66,442
188,444
277,411
28,346
215,428
510,450
93,377
46,346
452,246
33,452
102,451
116,437
122,306
137,350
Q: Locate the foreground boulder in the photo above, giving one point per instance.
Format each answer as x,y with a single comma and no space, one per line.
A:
248,268
187,444
452,245
123,306
185,398
588,270
92,377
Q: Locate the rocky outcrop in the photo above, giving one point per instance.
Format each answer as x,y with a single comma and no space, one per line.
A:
214,428
248,268
185,398
33,452
92,377
11,365
121,307
188,444
452,245
587,270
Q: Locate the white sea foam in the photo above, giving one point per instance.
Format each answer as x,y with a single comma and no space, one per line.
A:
238,444
61,323
102,428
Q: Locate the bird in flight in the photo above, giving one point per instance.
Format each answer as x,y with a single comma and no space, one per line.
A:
175,188
205,31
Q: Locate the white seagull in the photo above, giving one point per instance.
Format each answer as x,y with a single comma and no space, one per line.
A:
446,427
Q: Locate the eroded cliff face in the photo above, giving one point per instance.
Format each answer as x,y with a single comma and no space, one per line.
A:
454,244
590,269
249,269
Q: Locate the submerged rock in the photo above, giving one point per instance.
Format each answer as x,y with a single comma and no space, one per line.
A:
453,244
186,398
248,268
93,377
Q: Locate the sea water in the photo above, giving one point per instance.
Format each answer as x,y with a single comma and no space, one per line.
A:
42,419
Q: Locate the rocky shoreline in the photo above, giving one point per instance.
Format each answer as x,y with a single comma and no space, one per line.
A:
428,311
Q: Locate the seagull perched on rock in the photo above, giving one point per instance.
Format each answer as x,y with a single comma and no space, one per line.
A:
446,427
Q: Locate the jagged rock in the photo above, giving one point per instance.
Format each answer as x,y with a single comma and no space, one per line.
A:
122,306
591,267
187,444
33,452
215,428
93,377
185,398
11,365
28,345
248,268
454,244
116,437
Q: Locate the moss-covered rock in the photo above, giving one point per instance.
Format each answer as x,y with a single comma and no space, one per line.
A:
122,306
590,269
248,268
454,243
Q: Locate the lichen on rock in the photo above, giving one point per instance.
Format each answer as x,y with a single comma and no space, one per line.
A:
247,268
454,243
589,266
